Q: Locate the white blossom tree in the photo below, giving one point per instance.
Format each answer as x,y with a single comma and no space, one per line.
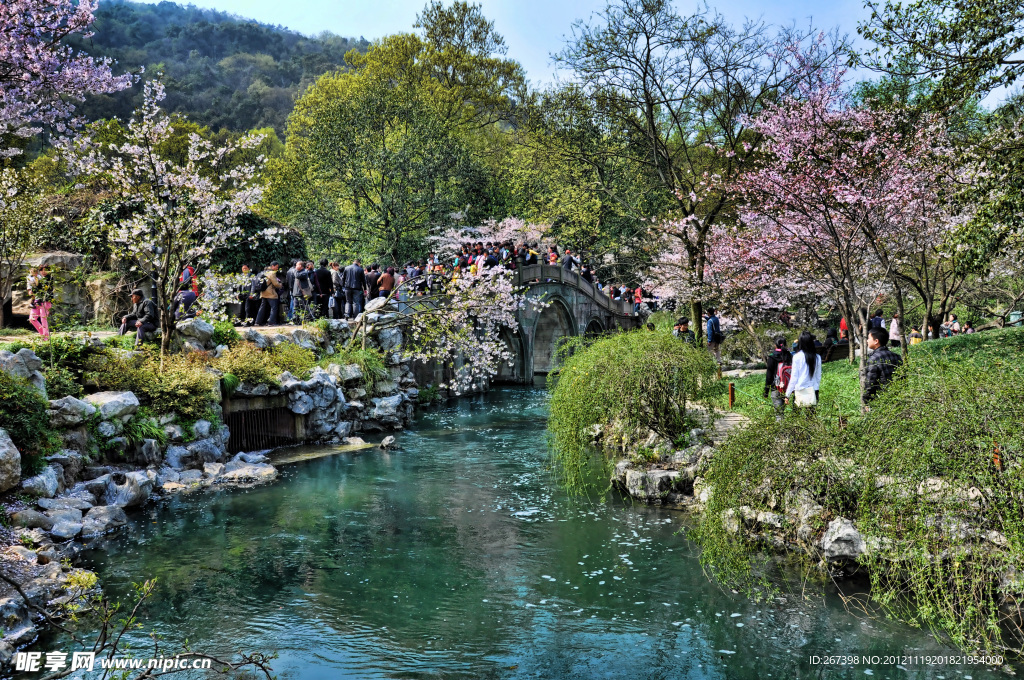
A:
182,209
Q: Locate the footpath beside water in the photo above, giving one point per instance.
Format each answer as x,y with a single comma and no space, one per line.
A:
459,556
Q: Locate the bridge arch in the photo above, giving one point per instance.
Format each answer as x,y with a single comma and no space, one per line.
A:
516,373
594,327
554,323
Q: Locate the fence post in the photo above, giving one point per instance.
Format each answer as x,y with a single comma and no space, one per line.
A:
732,395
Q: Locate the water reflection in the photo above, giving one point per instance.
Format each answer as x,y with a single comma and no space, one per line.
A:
458,557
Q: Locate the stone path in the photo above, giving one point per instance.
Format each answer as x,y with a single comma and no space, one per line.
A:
266,330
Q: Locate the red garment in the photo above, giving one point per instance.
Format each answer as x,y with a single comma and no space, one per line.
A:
842,328
191,278
638,296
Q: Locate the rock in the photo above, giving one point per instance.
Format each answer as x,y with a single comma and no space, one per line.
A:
190,477
197,329
175,432
72,463
32,519
64,503
77,439
387,442
201,429
98,486
389,339
109,428
355,394
29,358
69,411
65,515
206,450
246,390
354,441
343,429
148,453
377,305
387,407
10,462
45,484
256,338
176,456
167,418
66,529
213,469
14,365
38,381
114,404
304,339
117,446
166,474
22,552
650,485
348,373
251,458
249,472
842,541
102,519
300,403
219,351
128,489
192,345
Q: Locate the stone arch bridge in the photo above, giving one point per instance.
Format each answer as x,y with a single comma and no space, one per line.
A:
576,307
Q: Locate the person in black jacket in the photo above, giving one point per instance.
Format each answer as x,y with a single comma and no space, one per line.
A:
371,278
881,365
773,386
323,288
143,317
354,279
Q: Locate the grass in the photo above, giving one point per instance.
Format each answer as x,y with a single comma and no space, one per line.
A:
840,382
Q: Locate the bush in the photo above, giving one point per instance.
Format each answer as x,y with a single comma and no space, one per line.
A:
60,382
184,387
641,380
23,415
370,362
224,333
292,358
249,364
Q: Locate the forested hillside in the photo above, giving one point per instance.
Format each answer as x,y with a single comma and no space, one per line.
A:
221,70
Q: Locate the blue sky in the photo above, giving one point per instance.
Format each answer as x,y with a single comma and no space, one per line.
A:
533,29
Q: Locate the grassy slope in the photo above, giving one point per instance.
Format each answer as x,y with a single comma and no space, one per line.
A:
840,389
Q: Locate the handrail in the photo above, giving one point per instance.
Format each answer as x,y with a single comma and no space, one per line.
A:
558,274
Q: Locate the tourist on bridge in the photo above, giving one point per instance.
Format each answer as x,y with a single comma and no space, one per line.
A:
285,294
880,365
387,282
354,279
302,293
569,261
714,334
337,303
268,287
143,317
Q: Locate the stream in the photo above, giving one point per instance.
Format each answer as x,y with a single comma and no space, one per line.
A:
458,556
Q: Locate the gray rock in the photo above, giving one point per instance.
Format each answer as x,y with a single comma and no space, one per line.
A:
354,441
109,428
650,485
206,450
77,439
387,407
29,358
842,541
356,394
247,390
167,418
289,383
219,351
387,442
201,429
14,365
213,469
249,472
38,381
10,462
114,404
46,484
65,502
69,411
177,456
256,338
303,338
343,429
197,329
125,489
98,486
192,345
190,477
378,304
32,519
166,474
348,373
65,515
66,529
102,519
389,339
72,463
300,403
149,452
175,432
251,458
117,446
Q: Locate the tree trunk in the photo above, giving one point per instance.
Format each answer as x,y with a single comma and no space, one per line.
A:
697,310
904,340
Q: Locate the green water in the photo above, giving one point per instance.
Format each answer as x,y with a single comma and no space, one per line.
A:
458,557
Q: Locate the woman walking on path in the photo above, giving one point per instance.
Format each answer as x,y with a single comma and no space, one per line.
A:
805,378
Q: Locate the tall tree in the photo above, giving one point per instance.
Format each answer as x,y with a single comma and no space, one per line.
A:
677,91
21,210
39,73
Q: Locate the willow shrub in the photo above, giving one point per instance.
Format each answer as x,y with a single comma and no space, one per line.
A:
642,380
932,476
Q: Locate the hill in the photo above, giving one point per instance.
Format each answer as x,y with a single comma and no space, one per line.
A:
221,70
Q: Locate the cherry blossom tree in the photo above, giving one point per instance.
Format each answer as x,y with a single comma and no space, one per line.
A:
39,74
461,325
509,230
181,211
21,209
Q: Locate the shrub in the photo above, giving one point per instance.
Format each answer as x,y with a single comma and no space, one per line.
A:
641,380
249,364
224,333
370,362
23,415
184,387
292,358
144,426
60,382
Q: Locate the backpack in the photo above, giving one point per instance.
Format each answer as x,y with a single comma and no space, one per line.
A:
783,372
262,283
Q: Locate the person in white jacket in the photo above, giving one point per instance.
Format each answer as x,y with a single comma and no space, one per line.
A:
806,376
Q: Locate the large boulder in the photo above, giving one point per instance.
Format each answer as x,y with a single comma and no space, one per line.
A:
389,339
176,457
256,338
386,409
113,405
14,364
72,462
348,373
197,329
205,451
32,519
300,403
651,485
842,541
46,484
29,358
102,519
125,489
304,339
237,472
10,462
69,411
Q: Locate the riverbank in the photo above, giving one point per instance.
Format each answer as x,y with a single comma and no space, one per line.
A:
80,461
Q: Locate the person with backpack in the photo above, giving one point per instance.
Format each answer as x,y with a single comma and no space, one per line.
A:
268,286
354,278
302,293
248,297
777,376
715,337
805,378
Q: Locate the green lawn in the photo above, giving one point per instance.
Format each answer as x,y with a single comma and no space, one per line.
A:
840,388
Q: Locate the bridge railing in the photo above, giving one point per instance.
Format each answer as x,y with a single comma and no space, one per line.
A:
544,272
